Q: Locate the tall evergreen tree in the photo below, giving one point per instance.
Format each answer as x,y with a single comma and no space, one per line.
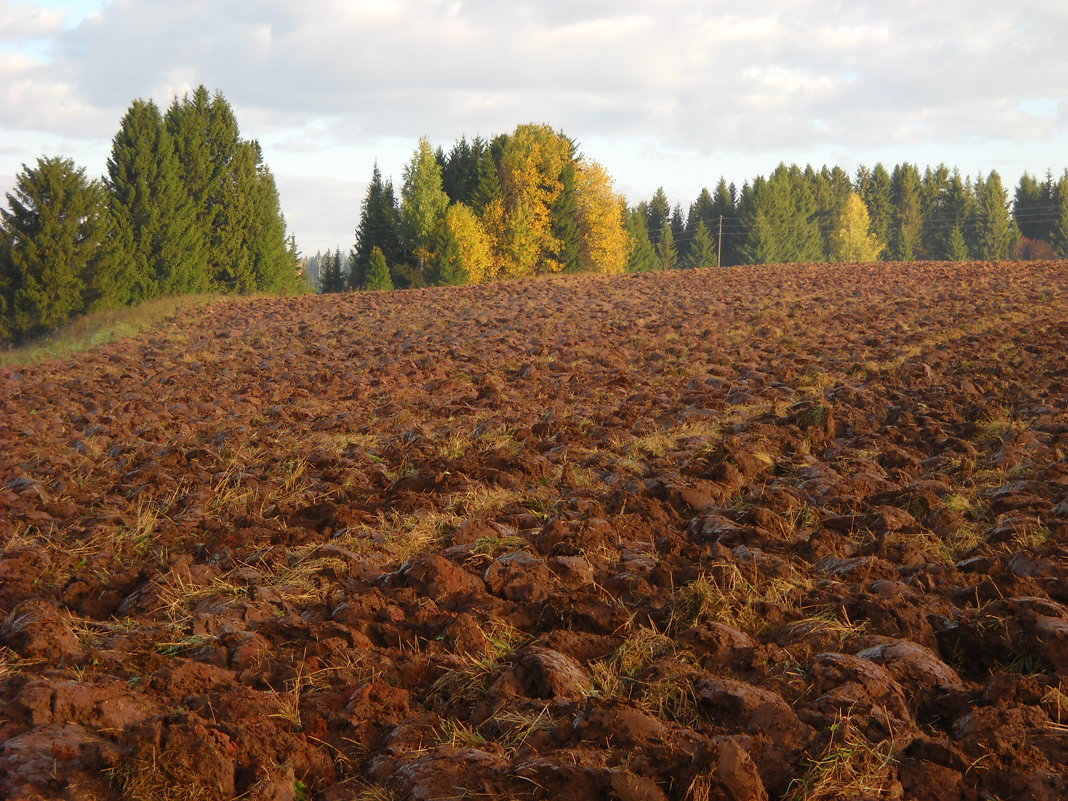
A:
273,264
1059,231
989,224
155,218
330,277
55,248
666,252
378,277
459,173
378,228
642,253
906,224
1033,207
702,251
784,226
565,220
657,211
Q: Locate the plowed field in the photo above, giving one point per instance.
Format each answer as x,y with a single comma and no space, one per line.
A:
753,533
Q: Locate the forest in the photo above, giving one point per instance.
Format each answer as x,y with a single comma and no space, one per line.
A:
528,203
187,206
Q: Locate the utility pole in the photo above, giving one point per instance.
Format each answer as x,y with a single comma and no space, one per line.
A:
719,249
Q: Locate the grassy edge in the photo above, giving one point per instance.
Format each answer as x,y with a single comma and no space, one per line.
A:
101,327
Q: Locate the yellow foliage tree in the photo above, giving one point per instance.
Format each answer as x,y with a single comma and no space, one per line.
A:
603,240
852,240
464,254
531,164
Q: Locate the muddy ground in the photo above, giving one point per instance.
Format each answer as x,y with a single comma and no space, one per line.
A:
758,533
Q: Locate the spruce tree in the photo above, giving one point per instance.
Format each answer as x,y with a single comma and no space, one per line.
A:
658,211
1032,207
782,224
724,207
565,221
156,221
989,224
55,246
273,264
666,252
702,250
331,279
378,228
642,256
378,277
487,181
1059,229
906,223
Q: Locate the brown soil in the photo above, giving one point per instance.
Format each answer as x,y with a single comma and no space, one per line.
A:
759,533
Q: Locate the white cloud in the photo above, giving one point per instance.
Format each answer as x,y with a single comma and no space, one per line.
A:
697,88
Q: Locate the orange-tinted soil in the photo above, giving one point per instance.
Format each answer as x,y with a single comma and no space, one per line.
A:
756,533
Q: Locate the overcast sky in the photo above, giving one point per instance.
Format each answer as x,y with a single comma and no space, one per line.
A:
671,94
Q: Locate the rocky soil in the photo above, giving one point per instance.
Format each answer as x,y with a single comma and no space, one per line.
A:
757,533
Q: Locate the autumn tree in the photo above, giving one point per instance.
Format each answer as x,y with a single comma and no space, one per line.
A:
463,254
531,166
852,240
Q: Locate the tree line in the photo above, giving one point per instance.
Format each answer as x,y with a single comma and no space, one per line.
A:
527,203
187,205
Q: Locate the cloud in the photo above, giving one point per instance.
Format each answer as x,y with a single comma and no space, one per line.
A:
22,21
708,79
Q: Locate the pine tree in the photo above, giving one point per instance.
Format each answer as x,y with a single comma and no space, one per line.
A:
666,253
565,221
852,240
459,173
54,237
378,277
702,250
955,248
330,277
989,224
378,228
155,219
658,210
1032,207
782,223
488,181
1059,230
906,225
423,204
641,255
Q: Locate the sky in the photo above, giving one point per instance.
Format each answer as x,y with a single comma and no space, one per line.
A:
673,93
